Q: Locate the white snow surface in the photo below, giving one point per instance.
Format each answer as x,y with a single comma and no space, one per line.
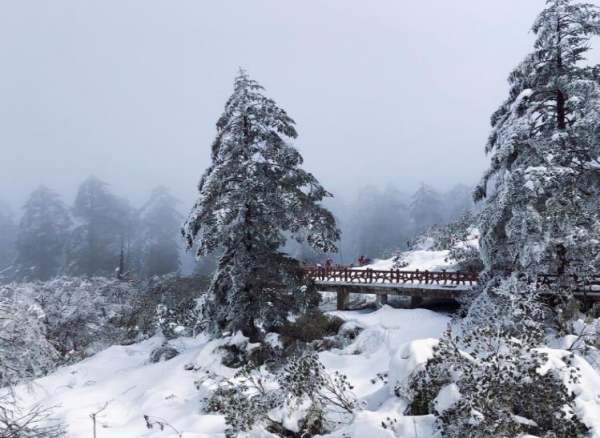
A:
123,377
393,341
396,341
416,259
424,258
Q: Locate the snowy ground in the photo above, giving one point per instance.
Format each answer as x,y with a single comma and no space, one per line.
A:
123,382
122,379
416,259
424,258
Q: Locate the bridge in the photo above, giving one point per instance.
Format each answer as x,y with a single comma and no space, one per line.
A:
419,286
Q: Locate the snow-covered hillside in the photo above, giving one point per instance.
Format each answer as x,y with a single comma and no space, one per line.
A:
122,379
123,382
425,257
121,385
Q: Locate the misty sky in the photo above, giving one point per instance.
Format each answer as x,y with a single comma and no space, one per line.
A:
383,91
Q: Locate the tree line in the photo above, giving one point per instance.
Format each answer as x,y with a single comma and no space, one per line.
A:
101,234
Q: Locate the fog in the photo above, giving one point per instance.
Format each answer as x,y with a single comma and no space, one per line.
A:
386,92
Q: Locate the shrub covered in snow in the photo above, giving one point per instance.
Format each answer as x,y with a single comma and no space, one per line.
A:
25,351
70,318
459,238
86,315
36,422
301,399
494,364
172,303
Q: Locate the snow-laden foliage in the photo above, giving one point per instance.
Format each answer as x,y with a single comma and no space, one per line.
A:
494,362
301,399
543,184
76,316
172,304
540,217
35,422
84,316
42,234
460,238
25,350
251,196
160,225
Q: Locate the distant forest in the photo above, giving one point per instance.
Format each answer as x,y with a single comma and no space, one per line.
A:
103,234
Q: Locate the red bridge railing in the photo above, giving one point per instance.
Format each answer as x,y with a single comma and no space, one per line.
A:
393,276
442,278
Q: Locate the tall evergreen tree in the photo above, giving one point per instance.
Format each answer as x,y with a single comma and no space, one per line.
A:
160,231
8,233
543,184
540,216
253,192
458,202
426,208
102,238
381,224
43,231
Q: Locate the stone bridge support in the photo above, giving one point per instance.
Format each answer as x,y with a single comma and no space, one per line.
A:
343,299
381,299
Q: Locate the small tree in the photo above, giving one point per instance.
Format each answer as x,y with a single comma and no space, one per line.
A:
253,192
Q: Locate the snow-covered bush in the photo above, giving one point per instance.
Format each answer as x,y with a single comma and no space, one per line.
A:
311,326
495,361
173,304
459,238
301,399
72,317
35,422
25,351
86,315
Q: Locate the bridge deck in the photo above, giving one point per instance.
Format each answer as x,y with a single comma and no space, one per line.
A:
418,285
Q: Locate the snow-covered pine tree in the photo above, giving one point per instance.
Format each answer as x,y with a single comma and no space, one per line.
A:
253,192
380,222
458,202
425,208
160,230
542,187
8,233
540,216
43,231
102,238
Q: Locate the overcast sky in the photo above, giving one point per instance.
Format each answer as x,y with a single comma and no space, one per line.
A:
383,91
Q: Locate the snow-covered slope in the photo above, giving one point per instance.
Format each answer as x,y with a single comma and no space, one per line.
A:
122,378
122,385
423,257
416,259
